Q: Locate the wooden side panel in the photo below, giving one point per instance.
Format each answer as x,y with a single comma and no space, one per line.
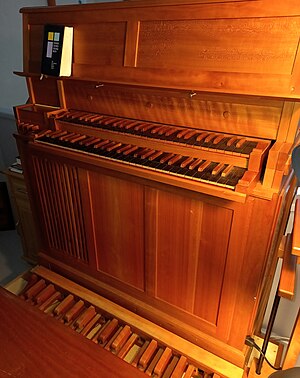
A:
60,208
117,210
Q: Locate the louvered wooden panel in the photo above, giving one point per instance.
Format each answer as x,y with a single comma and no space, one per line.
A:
61,207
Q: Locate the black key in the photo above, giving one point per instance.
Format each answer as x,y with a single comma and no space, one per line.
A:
232,178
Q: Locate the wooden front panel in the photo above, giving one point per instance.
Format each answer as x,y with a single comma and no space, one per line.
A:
189,245
101,43
243,45
60,208
248,47
43,91
229,114
118,222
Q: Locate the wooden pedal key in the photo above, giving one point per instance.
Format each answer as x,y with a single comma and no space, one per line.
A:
73,312
108,331
121,339
35,289
85,318
147,355
64,306
55,297
180,368
162,363
32,279
44,294
127,346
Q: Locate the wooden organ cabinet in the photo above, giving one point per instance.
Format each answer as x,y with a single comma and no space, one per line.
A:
159,172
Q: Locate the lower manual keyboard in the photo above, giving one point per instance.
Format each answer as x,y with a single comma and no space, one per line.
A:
192,168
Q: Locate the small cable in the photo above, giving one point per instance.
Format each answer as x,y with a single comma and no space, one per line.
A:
250,342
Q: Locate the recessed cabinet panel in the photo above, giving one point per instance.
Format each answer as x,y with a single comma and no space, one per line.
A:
100,44
244,45
212,254
189,245
117,208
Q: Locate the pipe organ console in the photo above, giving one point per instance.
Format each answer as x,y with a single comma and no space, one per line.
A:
159,175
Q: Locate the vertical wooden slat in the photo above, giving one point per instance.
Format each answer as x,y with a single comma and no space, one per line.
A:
43,201
30,90
68,210
79,214
285,119
292,132
83,181
56,221
296,72
74,240
48,210
61,94
72,202
131,45
61,205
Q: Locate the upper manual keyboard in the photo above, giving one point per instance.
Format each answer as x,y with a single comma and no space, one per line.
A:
236,145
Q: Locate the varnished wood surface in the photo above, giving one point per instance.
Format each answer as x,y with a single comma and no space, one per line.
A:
197,355
237,248
188,256
287,281
142,174
258,117
296,230
225,47
294,346
34,345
